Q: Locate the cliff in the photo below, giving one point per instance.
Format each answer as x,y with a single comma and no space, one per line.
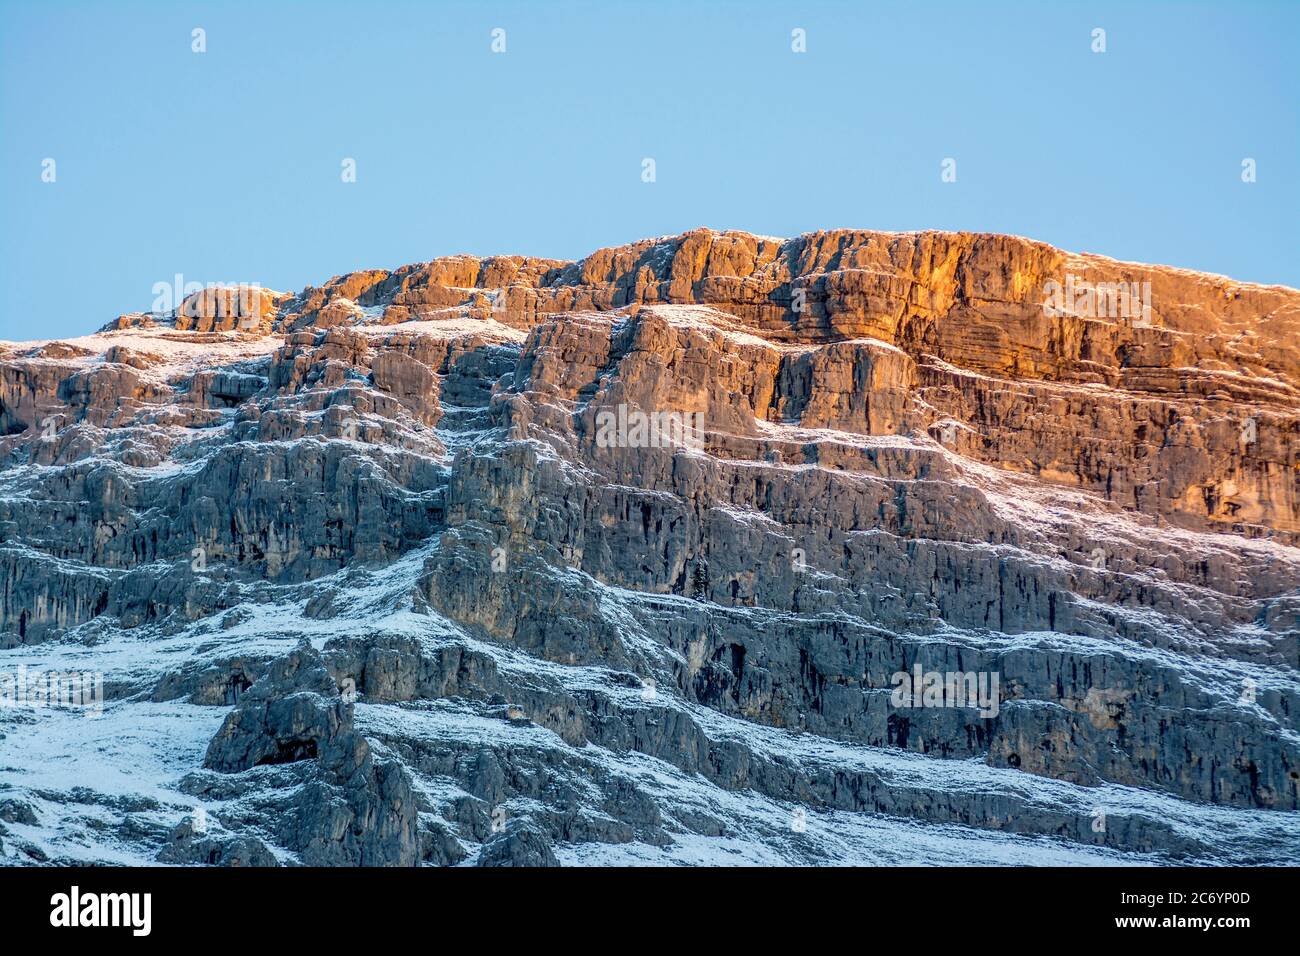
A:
382,572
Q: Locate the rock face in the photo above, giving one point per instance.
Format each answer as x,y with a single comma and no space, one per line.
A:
637,559
353,810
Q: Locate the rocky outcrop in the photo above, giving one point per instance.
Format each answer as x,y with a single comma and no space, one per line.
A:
186,846
517,846
354,810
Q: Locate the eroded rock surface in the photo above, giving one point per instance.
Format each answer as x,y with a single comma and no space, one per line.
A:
397,564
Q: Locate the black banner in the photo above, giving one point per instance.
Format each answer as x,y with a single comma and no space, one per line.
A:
334,906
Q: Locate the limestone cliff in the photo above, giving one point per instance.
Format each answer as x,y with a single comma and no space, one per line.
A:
406,526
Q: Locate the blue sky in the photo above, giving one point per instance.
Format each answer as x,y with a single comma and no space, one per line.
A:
225,166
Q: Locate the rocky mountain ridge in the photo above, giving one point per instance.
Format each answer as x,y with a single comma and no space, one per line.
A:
367,584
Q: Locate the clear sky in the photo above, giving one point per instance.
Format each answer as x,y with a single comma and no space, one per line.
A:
225,166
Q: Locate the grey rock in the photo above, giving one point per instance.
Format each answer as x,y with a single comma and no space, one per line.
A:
517,845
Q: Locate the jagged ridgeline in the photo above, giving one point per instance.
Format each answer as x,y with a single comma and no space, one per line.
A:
854,547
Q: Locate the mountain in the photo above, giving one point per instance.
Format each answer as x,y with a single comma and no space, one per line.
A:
857,547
